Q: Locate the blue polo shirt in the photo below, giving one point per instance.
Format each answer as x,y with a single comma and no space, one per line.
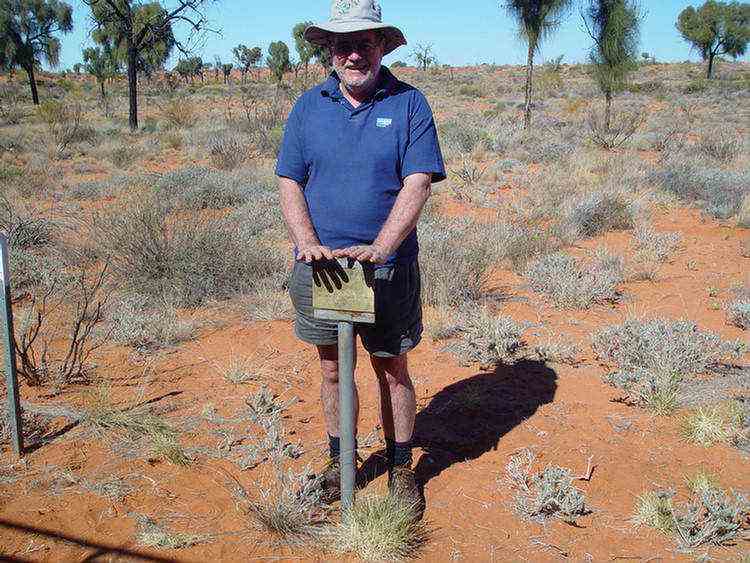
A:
351,163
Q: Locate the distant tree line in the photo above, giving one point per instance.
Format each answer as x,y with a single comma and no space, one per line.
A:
136,38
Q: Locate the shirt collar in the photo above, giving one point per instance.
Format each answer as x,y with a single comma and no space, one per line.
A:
386,85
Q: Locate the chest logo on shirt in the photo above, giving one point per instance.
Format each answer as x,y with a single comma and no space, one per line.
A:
383,122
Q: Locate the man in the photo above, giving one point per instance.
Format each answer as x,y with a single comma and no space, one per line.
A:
359,154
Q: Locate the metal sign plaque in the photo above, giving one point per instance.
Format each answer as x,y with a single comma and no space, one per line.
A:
13,412
343,291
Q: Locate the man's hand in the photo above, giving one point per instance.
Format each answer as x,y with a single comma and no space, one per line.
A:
365,253
314,252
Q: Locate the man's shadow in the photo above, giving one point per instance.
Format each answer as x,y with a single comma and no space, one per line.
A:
468,418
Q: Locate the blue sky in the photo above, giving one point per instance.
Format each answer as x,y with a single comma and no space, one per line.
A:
464,32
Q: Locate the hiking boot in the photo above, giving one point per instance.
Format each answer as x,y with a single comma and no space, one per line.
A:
402,484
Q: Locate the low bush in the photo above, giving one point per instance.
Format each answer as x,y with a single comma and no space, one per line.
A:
721,145
547,494
25,228
596,213
711,517
226,151
185,259
654,356
135,324
202,188
454,260
718,192
738,314
520,240
483,338
156,536
652,249
462,135
571,285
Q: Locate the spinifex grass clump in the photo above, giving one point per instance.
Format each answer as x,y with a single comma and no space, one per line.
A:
738,314
569,284
486,339
596,213
138,425
288,505
547,494
711,516
654,356
152,534
710,425
380,529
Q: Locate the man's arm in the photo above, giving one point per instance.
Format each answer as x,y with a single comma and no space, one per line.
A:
298,223
401,220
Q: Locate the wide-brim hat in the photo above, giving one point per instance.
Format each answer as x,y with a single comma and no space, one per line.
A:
349,16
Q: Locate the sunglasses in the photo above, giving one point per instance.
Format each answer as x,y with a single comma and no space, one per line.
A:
346,47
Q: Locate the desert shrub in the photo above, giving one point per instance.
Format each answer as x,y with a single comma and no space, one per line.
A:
135,324
652,249
56,331
547,494
178,112
462,135
226,151
620,131
743,216
594,214
520,240
720,145
738,314
558,351
545,147
486,339
201,188
653,356
24,227
380,528
123,155
718,192
569,284
189,259
63,121
454,259
506,133
711,517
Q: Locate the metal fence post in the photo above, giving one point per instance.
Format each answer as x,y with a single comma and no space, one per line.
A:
346,412
13,411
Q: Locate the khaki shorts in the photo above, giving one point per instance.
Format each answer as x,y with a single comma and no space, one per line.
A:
398,311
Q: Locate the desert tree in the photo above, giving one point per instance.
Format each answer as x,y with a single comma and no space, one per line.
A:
278,60
536,19
246,58
217,67
424,55
143,33
308,51
226,70
614,26
100,63
77,68
716,28
28,35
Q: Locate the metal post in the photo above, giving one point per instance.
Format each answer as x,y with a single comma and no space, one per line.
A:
13,412
346,411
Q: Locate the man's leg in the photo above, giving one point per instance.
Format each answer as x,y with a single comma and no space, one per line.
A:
329,389
398,407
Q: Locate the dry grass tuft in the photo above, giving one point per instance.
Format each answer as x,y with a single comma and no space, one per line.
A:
380,529
151,534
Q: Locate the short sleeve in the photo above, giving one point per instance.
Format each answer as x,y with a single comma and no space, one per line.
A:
291,160
422,150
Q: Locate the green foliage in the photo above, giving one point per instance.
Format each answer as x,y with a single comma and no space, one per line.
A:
27,34
246,57
189,68
537,20
306,50
613,25
716,28
424,56
101,63
278,60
